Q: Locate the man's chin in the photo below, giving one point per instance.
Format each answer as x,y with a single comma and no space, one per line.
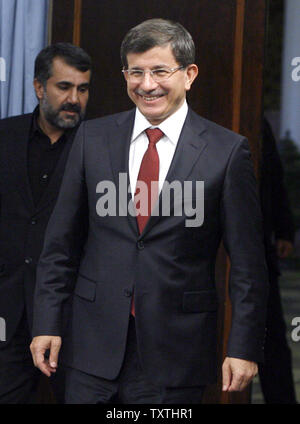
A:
68,122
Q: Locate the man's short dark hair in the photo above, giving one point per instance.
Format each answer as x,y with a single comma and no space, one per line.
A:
159,32
72,55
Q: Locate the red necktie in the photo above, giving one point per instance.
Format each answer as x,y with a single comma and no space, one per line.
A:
149,171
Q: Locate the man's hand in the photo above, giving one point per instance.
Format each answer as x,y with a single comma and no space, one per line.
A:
237,374
284,248
39,346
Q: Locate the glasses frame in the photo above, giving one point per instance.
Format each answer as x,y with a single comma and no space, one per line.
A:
151,72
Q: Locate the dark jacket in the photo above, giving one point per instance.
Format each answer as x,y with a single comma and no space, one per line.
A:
22,224
170,267
277,217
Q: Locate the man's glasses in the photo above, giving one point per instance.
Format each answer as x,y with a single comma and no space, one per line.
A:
158,75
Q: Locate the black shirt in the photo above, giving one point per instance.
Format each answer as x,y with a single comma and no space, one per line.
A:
42,157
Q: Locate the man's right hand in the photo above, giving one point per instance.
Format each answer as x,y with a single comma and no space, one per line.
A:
39,346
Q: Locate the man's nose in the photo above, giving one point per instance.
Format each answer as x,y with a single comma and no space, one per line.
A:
73,96
148,82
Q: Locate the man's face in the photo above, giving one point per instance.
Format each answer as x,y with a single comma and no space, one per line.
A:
64,98
157,101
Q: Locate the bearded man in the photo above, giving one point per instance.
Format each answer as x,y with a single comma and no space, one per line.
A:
33,153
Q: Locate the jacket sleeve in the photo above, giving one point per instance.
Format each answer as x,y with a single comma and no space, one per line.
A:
243,240
64,239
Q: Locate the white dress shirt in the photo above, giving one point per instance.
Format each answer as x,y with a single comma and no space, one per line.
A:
166,146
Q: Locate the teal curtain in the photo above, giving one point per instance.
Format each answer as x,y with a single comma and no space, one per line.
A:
23,33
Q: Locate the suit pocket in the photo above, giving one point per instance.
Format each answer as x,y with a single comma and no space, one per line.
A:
85,288
200,301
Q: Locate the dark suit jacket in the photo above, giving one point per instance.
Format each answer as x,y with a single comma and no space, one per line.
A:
22,224
171,267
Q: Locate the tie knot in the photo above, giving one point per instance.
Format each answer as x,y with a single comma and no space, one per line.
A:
154,135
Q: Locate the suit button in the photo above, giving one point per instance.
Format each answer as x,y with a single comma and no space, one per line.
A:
28,261
140,245
127,292
33,221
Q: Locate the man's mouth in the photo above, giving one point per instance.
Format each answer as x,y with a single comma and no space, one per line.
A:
150,97
71,109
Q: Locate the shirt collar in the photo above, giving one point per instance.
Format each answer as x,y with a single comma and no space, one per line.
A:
171,126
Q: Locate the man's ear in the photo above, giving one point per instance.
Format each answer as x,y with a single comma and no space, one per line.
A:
125,74
191,74
39,89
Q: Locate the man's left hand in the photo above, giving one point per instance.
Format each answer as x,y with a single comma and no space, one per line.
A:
237,374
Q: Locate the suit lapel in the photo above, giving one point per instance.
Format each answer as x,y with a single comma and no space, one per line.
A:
119,142
190,146
18,148
119,138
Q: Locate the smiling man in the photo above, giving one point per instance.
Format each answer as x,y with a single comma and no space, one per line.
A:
156,83
33,154
144,300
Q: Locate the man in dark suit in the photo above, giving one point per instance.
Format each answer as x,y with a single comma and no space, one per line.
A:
33,153
275,374
144,302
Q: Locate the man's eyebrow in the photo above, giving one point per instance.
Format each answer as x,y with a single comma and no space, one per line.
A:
65,83
153,67
70,84
163,65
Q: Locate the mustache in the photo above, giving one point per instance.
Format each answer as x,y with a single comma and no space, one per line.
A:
150,93
70,107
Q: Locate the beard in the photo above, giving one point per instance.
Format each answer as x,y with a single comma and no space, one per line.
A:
52,115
